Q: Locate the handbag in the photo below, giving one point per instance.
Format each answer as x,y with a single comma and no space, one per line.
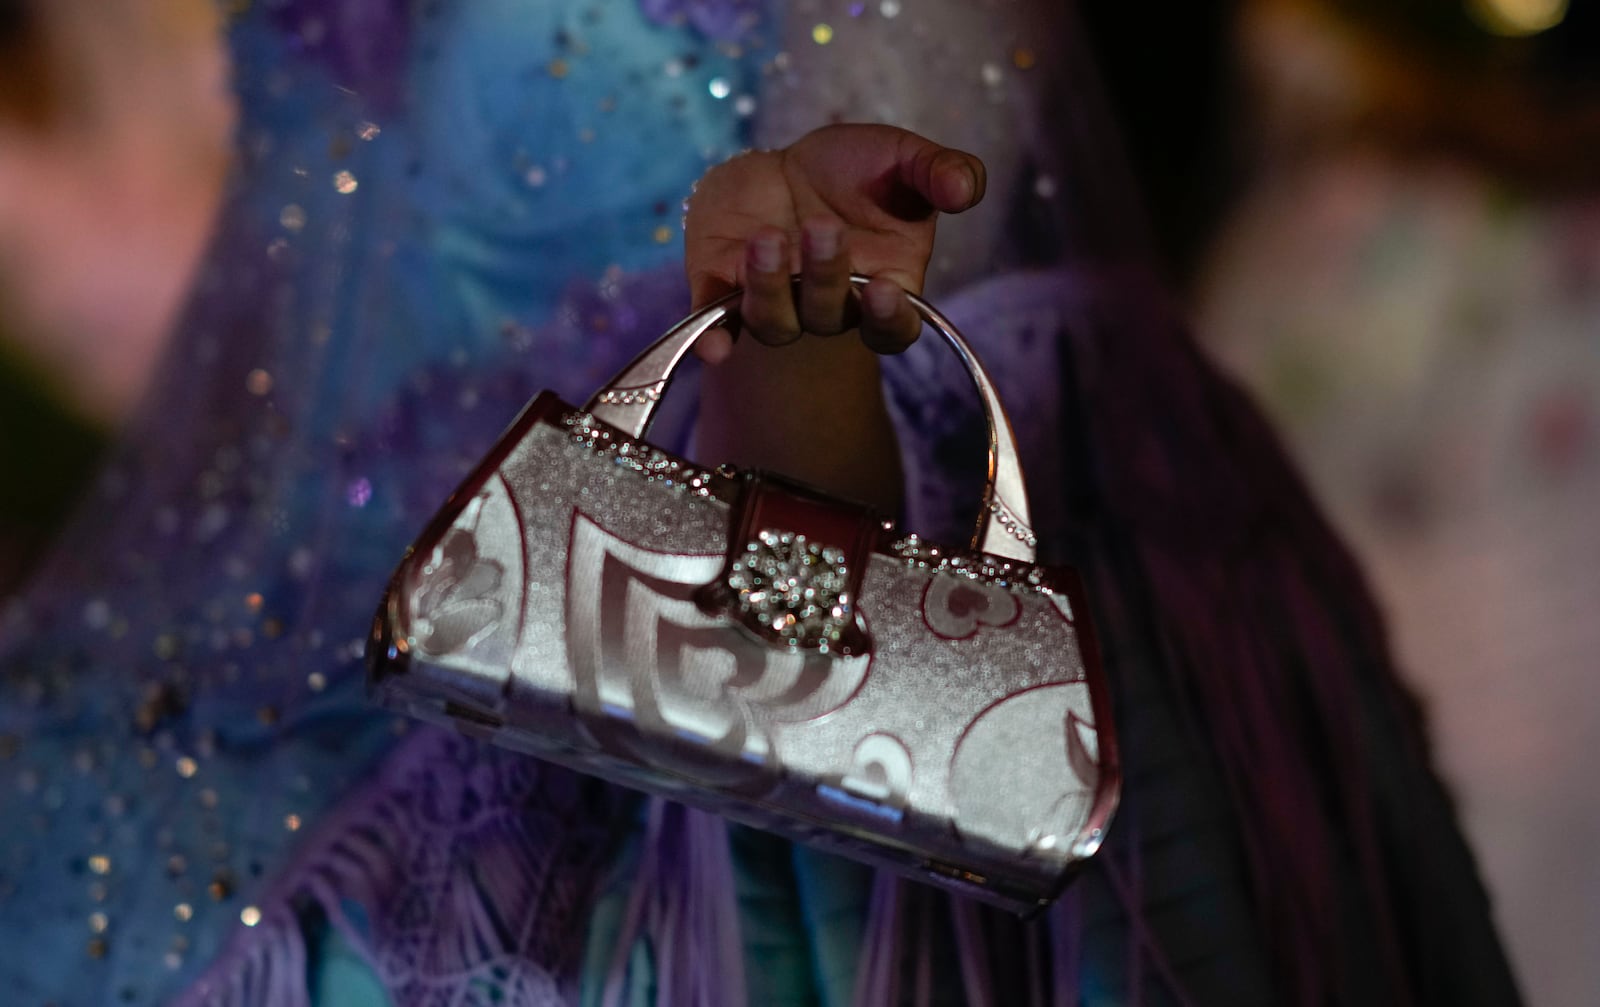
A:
747,645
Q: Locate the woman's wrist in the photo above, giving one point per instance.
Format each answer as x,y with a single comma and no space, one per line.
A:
813,410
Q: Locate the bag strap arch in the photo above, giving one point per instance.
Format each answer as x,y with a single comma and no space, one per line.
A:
1004,526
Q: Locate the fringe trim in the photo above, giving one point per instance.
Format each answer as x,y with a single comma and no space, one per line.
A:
267,968
684,904
878,976
496,920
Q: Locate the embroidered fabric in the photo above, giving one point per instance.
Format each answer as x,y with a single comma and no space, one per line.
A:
460,874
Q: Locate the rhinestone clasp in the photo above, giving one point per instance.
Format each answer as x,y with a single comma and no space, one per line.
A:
790,590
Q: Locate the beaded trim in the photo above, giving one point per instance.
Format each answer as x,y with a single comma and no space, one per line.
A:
632,396
1012,525
1021,578
649,461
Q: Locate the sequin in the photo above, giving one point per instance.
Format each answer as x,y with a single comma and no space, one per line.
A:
822,33
345,183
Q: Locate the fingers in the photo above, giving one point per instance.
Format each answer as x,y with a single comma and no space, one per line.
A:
824,278
770,310
889,324
772,313
767,308
714,345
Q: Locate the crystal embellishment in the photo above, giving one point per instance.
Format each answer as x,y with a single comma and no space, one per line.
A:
651,462
1013,575
633,396
794,591
1012,525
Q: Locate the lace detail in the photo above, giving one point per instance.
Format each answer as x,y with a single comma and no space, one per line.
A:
461,879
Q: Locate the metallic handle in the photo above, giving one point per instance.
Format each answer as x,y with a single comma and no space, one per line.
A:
1004,527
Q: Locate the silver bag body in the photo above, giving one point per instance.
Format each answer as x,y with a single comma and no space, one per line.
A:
592,600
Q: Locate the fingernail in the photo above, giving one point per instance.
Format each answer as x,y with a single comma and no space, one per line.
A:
766,254
883,300
968,186
822,241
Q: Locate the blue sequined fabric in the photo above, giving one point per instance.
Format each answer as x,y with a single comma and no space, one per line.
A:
437,210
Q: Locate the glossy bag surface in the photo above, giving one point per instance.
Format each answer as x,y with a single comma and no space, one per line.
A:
754,648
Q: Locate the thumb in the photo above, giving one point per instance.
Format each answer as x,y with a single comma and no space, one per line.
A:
950,180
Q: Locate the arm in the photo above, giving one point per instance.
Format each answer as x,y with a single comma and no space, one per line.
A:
801,395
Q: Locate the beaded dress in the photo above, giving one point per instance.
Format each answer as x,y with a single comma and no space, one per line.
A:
440,207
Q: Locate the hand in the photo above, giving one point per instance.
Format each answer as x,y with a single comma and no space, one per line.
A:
843,199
